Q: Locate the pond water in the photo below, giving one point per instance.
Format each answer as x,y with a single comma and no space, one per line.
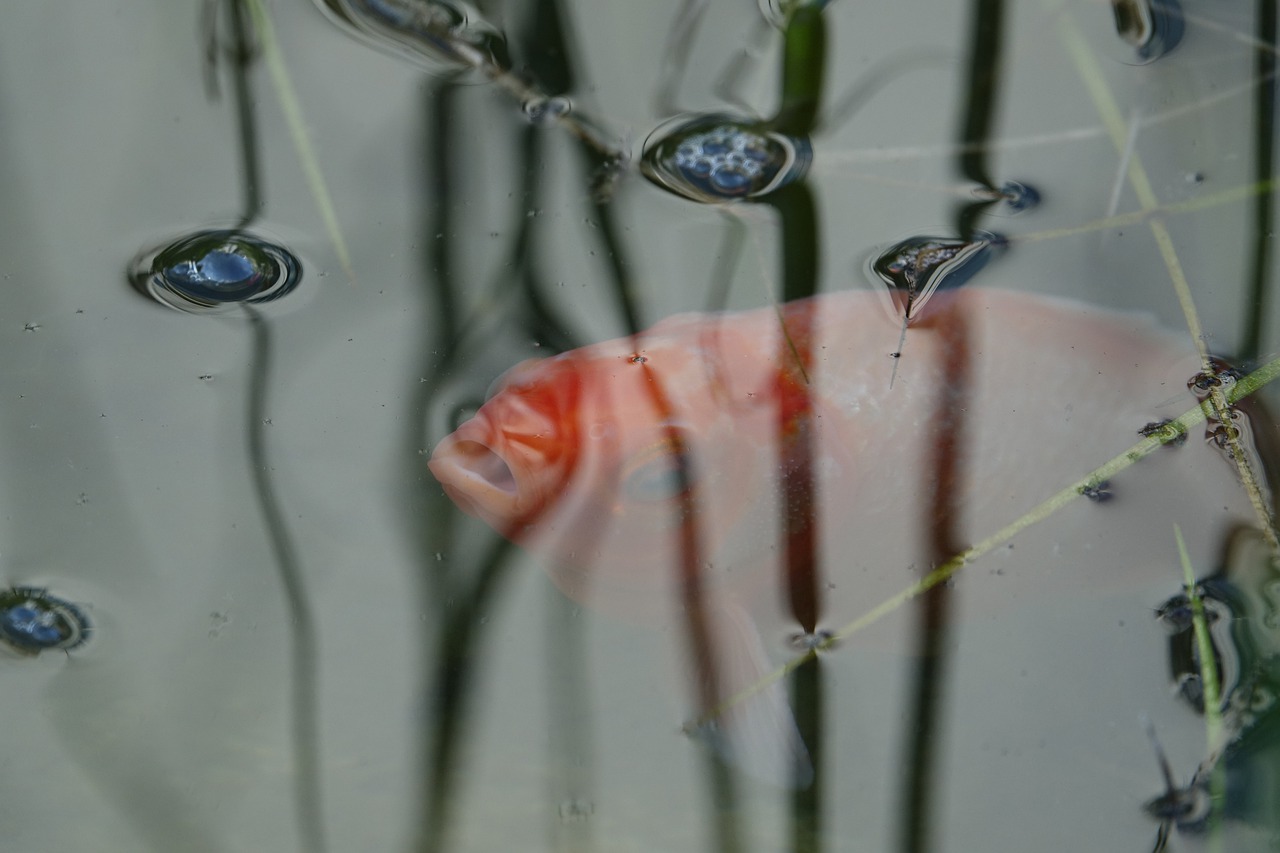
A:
244,615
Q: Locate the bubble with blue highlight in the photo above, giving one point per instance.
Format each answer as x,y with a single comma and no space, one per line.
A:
442,36
215,269
922,265
1151,27
717,158
33,621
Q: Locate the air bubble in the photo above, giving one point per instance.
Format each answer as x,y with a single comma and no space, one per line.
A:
1015,196
440,35
212,270
541,110
33,621
1151,27
718,158
915,268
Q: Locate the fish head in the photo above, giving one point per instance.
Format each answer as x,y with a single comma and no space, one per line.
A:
623,459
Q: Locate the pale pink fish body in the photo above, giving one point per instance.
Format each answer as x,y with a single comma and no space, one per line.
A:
571,458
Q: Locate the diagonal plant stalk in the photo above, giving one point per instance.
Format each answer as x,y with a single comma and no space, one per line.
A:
292,108
1170,431
1216,405
1212,696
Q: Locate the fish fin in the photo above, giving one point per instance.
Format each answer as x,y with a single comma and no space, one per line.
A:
757,735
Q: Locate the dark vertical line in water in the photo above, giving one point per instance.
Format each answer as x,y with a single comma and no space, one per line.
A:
619,267
726,267
242,60
571,746
944,474
1264,116
546,48
458,649
431,517
440,109
807,696
795,436
691,600
986,35
427,515
304,693
803,70
542,323
794,432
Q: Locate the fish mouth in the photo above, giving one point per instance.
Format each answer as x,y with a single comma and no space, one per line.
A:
476,476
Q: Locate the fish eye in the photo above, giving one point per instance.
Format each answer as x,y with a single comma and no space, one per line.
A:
658,472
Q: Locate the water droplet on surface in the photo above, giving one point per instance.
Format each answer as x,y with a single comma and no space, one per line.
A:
806,642
1235,430
1015,196
1167,430
576,811
33,621
209,270
540,110
439,35
1098,492
718,158
1151,27
915,268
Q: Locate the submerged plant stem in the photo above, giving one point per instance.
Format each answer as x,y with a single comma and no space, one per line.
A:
1246,386
1212,694
298,130
1109,110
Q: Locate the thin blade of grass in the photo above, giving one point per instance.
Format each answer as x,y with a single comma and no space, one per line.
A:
292,108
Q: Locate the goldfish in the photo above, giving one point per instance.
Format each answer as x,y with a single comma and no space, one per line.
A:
733,470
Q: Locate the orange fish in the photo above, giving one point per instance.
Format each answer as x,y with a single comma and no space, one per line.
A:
702,465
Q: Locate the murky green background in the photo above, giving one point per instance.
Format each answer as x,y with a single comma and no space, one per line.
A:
127,431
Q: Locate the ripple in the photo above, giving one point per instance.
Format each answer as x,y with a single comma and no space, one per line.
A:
211,270
32,621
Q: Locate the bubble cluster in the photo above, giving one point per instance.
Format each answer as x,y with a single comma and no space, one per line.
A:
717,158
33,621
214,269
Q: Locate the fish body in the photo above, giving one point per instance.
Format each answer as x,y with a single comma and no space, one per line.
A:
744,445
